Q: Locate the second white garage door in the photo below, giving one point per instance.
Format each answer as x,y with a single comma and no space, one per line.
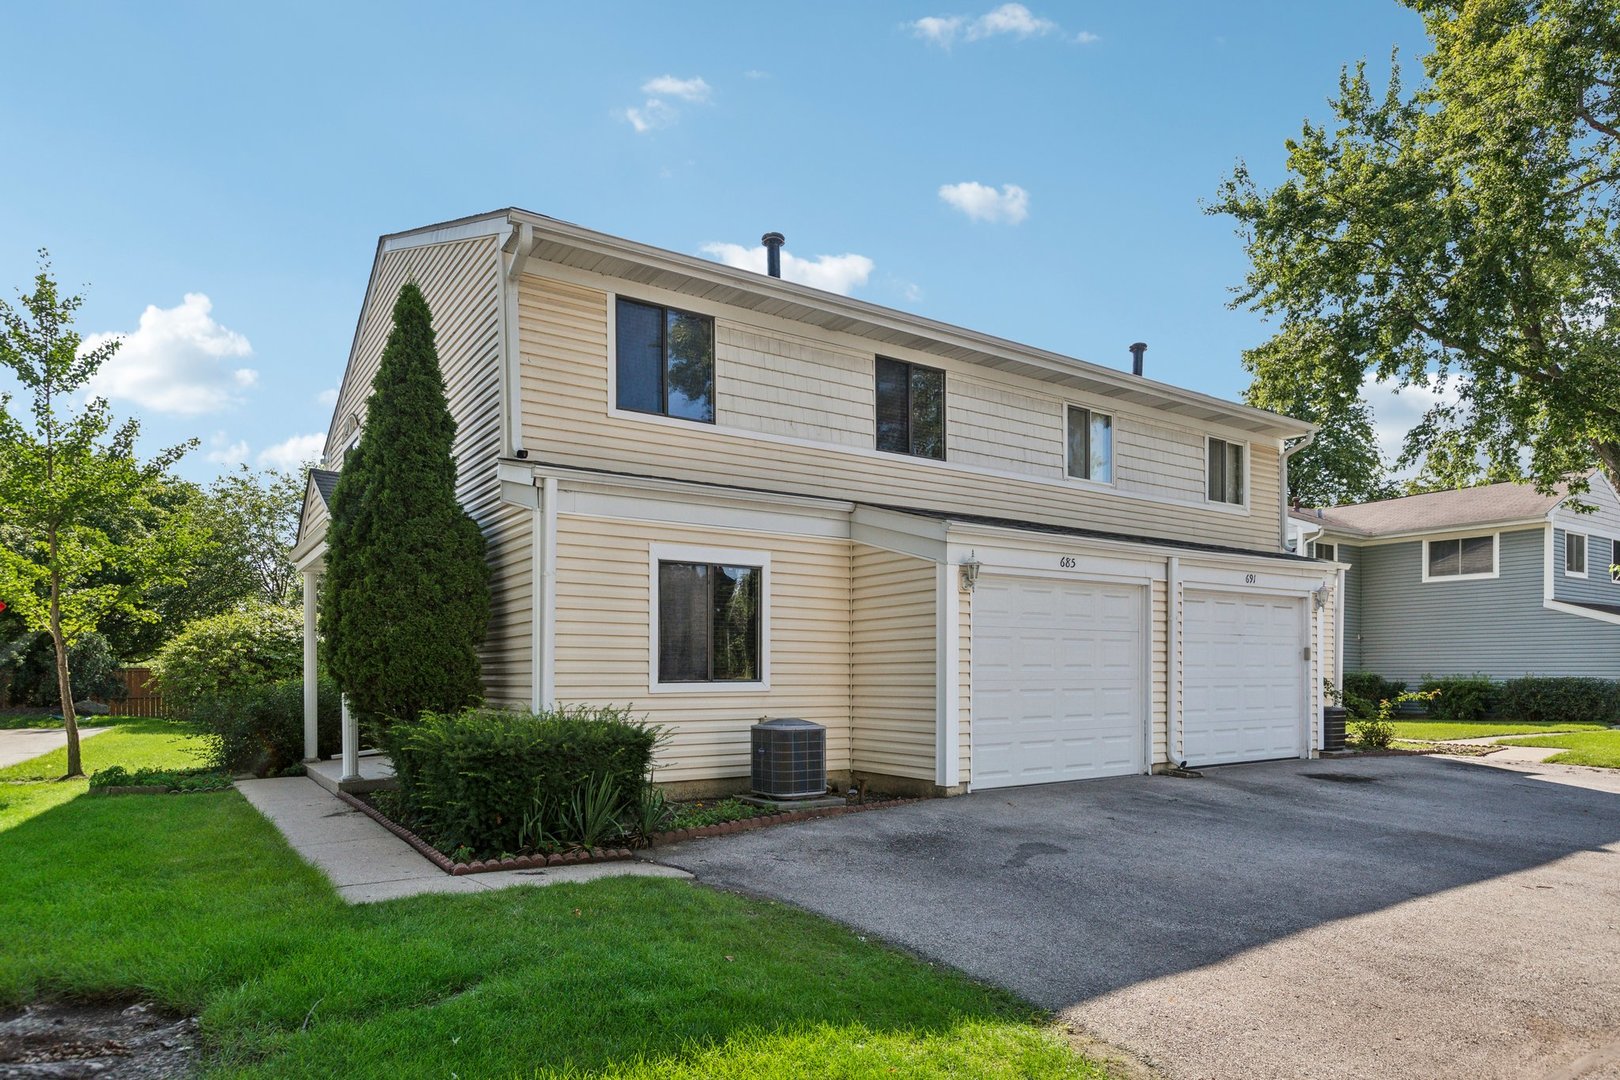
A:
1243,698
1058,689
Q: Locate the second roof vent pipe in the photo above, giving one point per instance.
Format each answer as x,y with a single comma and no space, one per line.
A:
1136,357
773,242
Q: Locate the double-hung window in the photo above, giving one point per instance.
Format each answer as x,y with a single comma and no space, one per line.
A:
665,361
910,409
1323,551
1574,554
1460,557
1225,473
1091,445
710,620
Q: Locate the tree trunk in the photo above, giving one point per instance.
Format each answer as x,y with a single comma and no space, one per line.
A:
1608,455
64,682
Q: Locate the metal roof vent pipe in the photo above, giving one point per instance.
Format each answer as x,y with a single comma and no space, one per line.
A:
1136,357
773,242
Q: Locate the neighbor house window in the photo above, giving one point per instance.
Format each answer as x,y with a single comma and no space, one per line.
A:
1323,551
1467,556
1225,472
1091,445
665,361
709,622
1614,561
1575,554
910,409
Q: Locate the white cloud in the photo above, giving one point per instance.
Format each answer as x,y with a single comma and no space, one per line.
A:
1086,37
327,397
650,116
177,361
1397,411
694,89
756,73
293,453
834,273
222,451
981,202
1009,20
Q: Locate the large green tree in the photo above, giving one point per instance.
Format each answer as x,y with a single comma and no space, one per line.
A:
63,477
1461,235
405,597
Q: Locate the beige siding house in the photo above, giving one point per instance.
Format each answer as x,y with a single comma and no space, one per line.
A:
716,497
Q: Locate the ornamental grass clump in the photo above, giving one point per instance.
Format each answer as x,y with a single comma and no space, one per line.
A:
496,781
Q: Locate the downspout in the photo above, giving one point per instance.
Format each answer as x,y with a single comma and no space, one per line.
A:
1174,739
545,620
511,265
1338,631
1282,487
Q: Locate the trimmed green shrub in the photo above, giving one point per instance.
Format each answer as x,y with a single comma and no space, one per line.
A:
1363,690
1459,697
405,599
223,655
495,781
92,667
1550,700
180,780
260,729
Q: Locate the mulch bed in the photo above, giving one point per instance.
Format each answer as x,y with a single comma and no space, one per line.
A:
135,1042
580,855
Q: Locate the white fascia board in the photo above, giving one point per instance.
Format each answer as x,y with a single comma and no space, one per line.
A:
1447,532
1584,613
908,534
302,560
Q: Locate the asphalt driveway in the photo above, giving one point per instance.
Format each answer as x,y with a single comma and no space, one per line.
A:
1398,916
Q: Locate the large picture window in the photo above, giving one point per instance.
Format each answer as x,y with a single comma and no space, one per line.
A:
665,361
709,622
1460,557
1091,445
910,409
1225,474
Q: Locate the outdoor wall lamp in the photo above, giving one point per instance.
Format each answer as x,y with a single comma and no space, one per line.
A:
1319,596
970,572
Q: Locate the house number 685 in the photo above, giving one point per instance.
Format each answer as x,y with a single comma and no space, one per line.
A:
1067,562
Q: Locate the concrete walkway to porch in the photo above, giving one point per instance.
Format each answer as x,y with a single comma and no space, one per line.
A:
366,862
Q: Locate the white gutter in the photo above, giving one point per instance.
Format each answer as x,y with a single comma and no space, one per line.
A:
511,265
1282,487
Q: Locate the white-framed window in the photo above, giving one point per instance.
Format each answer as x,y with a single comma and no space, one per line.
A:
1090,445
710,619
910,409
1227,472
1574,554
1455,558
1324,551
1614,561
663,361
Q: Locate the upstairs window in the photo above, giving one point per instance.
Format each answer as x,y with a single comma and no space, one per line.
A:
1091,445
1575,554
1614,562
1324,551
709,622
910,409
1461,557
1225,472
665,362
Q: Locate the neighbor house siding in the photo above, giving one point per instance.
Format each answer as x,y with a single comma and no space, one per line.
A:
604,640
820,387
460,280
893,635
1597,587
1497,626
1353,579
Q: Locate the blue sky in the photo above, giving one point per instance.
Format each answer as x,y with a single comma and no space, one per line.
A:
215,180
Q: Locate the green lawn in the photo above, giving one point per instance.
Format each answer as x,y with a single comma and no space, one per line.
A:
1600,748
195,900
1443,730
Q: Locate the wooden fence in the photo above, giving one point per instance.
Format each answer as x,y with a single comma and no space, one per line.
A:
140,696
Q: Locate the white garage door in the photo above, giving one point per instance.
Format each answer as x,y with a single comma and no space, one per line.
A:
1243,698
1057,680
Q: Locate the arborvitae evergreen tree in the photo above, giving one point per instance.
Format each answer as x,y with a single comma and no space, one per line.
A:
405,599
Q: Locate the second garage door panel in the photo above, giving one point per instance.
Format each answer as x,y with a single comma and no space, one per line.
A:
1244,690
1058,680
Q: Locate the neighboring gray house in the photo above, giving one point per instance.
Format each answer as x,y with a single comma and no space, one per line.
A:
1499,579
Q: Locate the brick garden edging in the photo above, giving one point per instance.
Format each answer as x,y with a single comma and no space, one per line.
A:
578,856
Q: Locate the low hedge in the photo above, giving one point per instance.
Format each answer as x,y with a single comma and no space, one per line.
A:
492,781
260,729
1460,697
1363,690
1547,700
183,780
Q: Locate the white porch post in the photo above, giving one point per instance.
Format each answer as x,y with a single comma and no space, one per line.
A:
351,744
311,704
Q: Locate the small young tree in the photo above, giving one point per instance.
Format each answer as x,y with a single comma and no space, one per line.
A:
63,480
405,598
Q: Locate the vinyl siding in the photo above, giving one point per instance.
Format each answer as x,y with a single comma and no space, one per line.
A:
604,637
1353,579
1497,626
772,383
965,684
461,282
892,690
1597,587
1160,637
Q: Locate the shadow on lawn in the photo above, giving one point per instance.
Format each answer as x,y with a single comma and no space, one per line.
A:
1069,891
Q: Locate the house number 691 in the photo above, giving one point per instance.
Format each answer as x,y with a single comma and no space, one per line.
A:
1067,562
1248,579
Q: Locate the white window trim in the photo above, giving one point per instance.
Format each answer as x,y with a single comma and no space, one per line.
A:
613,363
1113,442
658,553
1248,458
1496,558
1586,549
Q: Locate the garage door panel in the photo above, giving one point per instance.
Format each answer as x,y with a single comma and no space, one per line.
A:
1243,689
1058,685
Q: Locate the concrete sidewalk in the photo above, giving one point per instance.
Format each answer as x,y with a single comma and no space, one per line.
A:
19,744
367,863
